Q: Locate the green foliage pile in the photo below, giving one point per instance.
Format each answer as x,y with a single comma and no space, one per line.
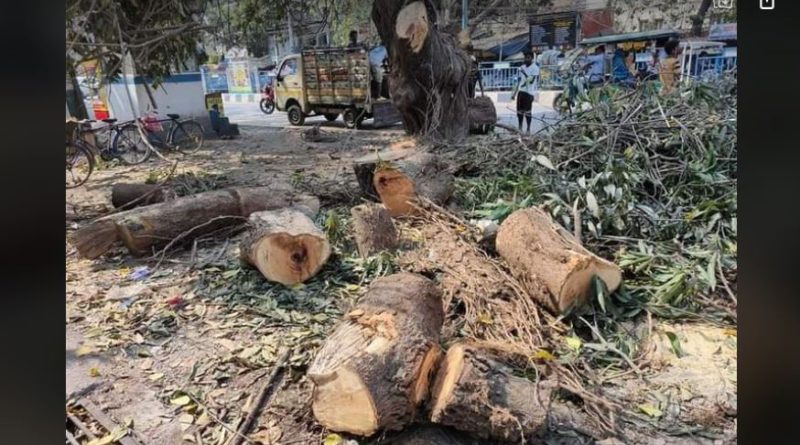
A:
651,178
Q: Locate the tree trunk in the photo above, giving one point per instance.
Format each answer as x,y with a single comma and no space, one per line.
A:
431,435
373,229
539,250
152,226
374,370
398,177
124,195
429,73
699,18
482,115
285,246
475,393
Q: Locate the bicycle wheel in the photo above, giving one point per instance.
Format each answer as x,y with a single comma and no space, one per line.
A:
129,146
187,136
80,164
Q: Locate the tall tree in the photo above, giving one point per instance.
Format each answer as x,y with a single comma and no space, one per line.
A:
159,36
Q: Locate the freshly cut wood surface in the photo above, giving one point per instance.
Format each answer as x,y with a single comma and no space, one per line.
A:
375,369
475,393
537,249
285,245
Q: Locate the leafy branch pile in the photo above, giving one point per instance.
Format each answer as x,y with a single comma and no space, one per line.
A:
650,179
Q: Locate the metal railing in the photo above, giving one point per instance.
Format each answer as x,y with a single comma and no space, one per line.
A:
504,79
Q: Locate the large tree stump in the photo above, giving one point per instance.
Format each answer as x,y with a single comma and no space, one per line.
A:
373,229
398,177
144,228
475,393
125,195
430,73
285,246
482,115
374,370
538,249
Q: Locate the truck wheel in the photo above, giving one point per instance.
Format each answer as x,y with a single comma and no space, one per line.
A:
330,117
352,118
295,115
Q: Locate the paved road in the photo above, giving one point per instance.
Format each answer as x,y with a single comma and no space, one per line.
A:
250,114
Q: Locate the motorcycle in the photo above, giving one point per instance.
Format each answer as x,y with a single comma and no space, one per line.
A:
267,102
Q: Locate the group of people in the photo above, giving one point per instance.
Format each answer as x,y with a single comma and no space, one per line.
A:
665,66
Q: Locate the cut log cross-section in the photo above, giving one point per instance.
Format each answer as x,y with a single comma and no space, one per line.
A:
373,229
285,246
475,393
398,177
537,249
125,195
374,370
144,228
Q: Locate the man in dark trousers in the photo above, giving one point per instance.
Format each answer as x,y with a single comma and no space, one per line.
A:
525,89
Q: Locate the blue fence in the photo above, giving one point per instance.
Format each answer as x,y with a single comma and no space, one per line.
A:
504,79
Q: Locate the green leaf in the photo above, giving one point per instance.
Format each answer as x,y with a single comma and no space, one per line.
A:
545,161
591,203
650,410
574,343
332,439
711,272
181,400
676,344
602,292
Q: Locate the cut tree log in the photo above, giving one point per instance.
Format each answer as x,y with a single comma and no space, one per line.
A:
430,73
144,228
373,229
537,248
136,195
482,115
373,372
475,393
431,435
285,246
398,177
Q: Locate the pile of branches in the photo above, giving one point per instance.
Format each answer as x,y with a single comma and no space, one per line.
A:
646,178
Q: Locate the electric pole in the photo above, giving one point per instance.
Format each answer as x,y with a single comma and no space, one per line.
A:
464,13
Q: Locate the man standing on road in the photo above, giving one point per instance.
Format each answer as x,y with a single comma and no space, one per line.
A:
525,89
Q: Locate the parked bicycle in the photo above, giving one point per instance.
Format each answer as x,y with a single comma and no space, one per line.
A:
119,141
182,135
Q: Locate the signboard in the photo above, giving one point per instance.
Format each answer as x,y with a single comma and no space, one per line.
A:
555,31
215,99
722,32
239,79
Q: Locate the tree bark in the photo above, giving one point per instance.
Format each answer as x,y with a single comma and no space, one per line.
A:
699,18
475,393
124,195
374,370
429,72
538,250
285,246
144,228
373,229
398,177
482,115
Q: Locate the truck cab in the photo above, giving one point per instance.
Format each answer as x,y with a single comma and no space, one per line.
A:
330,82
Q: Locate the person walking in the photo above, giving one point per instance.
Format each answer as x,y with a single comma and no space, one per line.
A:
525,89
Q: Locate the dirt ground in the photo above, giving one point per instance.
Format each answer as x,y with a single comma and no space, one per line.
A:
181,346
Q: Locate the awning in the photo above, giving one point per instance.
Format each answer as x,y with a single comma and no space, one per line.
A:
631,37
722,32
512,46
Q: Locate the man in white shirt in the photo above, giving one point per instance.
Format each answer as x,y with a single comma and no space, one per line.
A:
525,89
596,65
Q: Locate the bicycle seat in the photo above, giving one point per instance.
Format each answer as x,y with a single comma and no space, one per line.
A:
172,116
109,120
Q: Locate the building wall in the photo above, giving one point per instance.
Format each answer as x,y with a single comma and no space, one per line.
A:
649,15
